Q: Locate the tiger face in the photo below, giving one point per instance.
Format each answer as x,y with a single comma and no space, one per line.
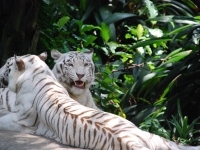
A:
5,71
74,70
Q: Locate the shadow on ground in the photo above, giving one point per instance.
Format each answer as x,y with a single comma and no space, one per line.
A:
19,141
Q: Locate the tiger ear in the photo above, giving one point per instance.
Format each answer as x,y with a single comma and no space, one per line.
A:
43,56
20,63
55,54
89,52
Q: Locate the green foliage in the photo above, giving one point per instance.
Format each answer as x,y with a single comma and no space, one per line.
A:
183,132
152,123
146,55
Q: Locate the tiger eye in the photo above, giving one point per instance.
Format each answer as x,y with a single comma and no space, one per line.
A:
69,64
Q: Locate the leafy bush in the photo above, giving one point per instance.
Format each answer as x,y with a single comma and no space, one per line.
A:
146,56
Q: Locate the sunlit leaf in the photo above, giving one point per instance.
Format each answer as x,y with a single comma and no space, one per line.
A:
62,21
174,53
178,56
156,32
151,65
112,46
105,32
128,36
140,31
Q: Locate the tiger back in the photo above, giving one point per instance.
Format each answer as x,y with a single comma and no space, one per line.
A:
43,107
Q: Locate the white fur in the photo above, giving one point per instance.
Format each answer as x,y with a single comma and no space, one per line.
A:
44,108
68,73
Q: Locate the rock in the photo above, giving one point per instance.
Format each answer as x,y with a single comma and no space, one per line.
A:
20,141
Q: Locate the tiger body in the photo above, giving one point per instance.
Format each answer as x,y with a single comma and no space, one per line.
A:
75,71
7,101
43,107
65,74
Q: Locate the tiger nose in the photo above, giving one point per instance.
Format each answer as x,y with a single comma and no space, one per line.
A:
79,75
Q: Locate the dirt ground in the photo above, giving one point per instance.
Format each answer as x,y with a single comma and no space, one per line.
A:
19,141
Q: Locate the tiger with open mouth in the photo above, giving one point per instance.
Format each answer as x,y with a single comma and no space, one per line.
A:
75,71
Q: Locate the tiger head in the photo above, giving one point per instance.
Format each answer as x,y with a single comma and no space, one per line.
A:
5,69
74,70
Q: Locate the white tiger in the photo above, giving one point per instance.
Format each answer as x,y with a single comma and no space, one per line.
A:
7,97
43,107
75,71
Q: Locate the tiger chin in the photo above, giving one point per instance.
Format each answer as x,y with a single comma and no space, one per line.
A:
50,112
75,71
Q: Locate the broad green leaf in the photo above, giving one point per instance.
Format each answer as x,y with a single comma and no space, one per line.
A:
128,109
80,24
105,32
85,28
178,56
112,32
162,97
112,47
191,4
128,36
89,39
140,31
105,12
183,54
151,65
185,126
105,50
90,8
180,29
118,16
83,4
174,53
78,37
149,42
62,21
168,18
148,77
111,88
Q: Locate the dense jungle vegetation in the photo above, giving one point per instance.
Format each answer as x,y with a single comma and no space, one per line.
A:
146,53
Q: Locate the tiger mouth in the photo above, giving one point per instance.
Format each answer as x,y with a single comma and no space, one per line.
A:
79,84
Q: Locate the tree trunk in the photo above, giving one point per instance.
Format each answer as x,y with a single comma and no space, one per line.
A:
18,28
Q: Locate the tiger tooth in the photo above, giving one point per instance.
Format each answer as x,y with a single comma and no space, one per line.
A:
82,84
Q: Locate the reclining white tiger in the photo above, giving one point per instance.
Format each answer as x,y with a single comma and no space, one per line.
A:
74,70
43,107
